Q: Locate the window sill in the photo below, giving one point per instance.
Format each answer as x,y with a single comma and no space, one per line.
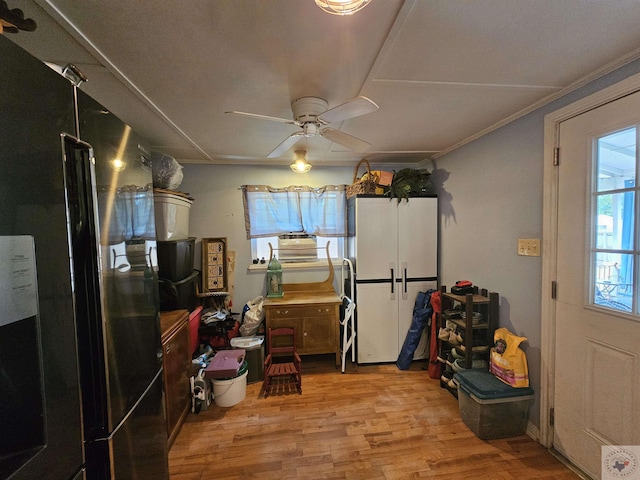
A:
317,265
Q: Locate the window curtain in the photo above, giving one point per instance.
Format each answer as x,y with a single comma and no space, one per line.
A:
126,213
270,211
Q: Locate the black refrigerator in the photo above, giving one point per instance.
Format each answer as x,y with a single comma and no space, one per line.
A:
81,393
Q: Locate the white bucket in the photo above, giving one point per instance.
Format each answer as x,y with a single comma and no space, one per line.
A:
172,216
227,393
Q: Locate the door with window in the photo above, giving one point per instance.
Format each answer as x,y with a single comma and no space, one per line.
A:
597,310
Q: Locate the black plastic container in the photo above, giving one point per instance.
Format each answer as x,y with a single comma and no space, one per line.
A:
175,259
181,294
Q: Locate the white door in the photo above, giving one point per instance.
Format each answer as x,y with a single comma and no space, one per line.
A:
597,344
377,323
376,239
418,237
417,262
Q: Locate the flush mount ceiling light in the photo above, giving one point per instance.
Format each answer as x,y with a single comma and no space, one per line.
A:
300,164
342,7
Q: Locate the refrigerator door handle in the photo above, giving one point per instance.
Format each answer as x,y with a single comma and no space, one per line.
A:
78,178
404,281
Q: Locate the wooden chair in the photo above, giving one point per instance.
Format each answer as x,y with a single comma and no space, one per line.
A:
283,366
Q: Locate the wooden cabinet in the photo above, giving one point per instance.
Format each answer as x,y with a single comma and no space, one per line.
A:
176,362
313,310
315,318
474,318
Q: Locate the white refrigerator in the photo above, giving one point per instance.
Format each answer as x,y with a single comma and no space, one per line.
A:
394,249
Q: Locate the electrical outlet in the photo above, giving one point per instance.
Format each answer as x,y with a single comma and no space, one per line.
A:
529,247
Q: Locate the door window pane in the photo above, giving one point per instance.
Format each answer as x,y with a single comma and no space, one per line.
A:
614,250
615,220
614,281
616,159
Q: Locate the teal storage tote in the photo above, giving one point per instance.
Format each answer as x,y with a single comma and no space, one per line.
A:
491,408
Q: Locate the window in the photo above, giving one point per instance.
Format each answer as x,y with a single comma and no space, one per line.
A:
271,212
614,247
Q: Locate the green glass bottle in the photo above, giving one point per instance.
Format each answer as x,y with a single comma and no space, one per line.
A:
274,278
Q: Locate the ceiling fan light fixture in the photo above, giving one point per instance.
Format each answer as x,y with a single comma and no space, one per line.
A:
310,129
342,7
300,164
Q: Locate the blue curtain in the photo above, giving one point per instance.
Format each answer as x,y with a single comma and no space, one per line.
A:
126,213
270,211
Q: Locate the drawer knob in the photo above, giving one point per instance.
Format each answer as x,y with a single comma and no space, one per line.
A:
305,334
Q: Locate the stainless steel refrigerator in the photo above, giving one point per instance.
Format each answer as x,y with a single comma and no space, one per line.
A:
80,353
394,250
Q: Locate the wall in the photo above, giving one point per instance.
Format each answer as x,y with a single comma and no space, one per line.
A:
490,195
218,212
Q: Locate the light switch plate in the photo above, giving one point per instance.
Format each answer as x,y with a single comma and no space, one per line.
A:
529,247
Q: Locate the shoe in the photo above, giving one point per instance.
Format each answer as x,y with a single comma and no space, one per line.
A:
459,365
453,339
456,354
443,334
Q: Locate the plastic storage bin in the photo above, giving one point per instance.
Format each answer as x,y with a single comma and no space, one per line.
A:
179,295
172,216
175,258
225,364
490,407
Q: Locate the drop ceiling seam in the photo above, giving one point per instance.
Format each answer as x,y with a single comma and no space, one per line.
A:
466,84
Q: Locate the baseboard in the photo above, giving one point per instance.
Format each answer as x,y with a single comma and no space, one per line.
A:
533,431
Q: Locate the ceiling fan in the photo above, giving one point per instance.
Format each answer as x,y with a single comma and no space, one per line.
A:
312,115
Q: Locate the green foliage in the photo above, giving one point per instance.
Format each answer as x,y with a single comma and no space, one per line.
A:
410,182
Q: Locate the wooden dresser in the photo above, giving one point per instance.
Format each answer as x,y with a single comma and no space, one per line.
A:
176,360
313,309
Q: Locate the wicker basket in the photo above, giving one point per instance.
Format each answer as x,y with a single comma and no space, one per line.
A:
360,186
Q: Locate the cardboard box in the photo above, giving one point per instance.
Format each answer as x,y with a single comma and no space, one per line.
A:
384,178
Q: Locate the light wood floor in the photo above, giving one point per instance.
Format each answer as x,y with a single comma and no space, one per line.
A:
373,422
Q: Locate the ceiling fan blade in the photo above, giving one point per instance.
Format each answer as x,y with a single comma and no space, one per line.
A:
353,108
288,142
264,117
345,140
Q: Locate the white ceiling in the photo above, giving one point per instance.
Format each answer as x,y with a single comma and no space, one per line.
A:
442,71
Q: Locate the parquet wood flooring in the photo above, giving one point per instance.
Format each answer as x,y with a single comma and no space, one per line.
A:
373,422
